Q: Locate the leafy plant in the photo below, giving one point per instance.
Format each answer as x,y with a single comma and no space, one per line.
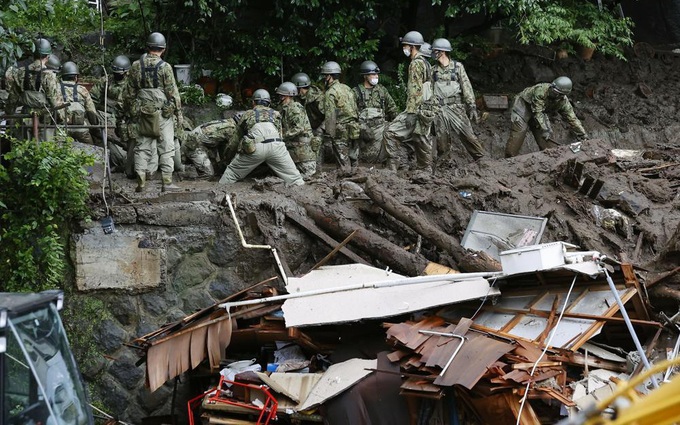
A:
192,94
43,189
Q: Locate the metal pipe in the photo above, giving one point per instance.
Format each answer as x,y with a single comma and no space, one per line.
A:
450,335
380,284
250,246
624,313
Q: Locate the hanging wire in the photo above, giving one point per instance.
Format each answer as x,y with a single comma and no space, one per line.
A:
547,344
105,142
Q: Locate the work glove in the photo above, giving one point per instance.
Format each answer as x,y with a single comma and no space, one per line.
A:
547,135
473,115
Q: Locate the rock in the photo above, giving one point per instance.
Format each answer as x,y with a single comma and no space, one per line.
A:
123,369
124,214
152,401
111,336
175,214
225,283
113,396
123,308
225,249
195,299
192,271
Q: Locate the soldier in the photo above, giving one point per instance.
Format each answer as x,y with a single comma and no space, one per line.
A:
456,99
259,134
120,147
81,110
415,122
33,89
341,119
208,142
376,108
53,64
297,132
311,97
531,109
151,94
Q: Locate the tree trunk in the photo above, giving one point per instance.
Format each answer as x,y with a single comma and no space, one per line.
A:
467,260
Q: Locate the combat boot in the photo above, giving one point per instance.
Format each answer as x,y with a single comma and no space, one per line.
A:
167,184
141,182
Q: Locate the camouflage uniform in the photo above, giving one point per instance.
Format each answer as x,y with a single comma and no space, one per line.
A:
341,124
156,91
414,124
530,112
120,146
21,80
312,100
297,134
259,134
208,143
376,108
74,93
454,95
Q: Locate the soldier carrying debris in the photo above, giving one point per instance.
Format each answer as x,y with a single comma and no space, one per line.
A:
530,112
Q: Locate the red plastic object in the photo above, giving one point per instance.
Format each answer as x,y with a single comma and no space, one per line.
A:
219,395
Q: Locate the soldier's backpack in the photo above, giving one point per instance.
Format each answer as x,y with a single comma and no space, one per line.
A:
32,97
75,112
151,99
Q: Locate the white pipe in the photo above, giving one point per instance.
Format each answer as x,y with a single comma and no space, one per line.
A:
380,284
249,246
450,335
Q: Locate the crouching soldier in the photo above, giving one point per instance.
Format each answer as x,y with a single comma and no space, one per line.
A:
297,132
260,142
81,110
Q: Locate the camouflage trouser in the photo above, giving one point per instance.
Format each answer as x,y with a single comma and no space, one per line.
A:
306,168
300,150
274,154
345,150
402,131
522,120
117,157
81,135
201,160
452,120
149,151
370,144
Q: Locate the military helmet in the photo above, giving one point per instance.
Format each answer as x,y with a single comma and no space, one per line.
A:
262,97
53,62
414,38
42,47
441,44
156,40
562,85
426,50
331,67
369,67
301,80
224,101
69,69
287,89
120,64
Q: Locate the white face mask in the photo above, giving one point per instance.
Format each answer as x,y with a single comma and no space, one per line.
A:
373,81
407,51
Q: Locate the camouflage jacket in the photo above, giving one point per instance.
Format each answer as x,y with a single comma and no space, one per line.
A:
339,99
160,77
312,101
38,79
541,103
114,95
259,113
452,85
419,71
83,97
294,122
375,97
213,134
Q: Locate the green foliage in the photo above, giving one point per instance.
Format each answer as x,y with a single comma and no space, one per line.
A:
396,86
43,189
192,95
82,315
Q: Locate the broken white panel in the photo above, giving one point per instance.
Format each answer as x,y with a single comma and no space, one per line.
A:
532,258
372,302
600,352
338,378
493,232
295,386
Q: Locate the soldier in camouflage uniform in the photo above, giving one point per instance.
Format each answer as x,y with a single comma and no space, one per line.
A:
376,108
151,94
107,95
414,124
33,89
311,97
531,109
208,144
81,110
297,132
259,134
341,119
456,99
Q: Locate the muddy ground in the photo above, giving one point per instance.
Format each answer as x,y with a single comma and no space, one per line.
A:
624,105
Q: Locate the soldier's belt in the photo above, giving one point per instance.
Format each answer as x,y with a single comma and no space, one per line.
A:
272,140
443,102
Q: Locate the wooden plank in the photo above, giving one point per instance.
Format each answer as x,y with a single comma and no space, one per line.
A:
632,281
313,229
